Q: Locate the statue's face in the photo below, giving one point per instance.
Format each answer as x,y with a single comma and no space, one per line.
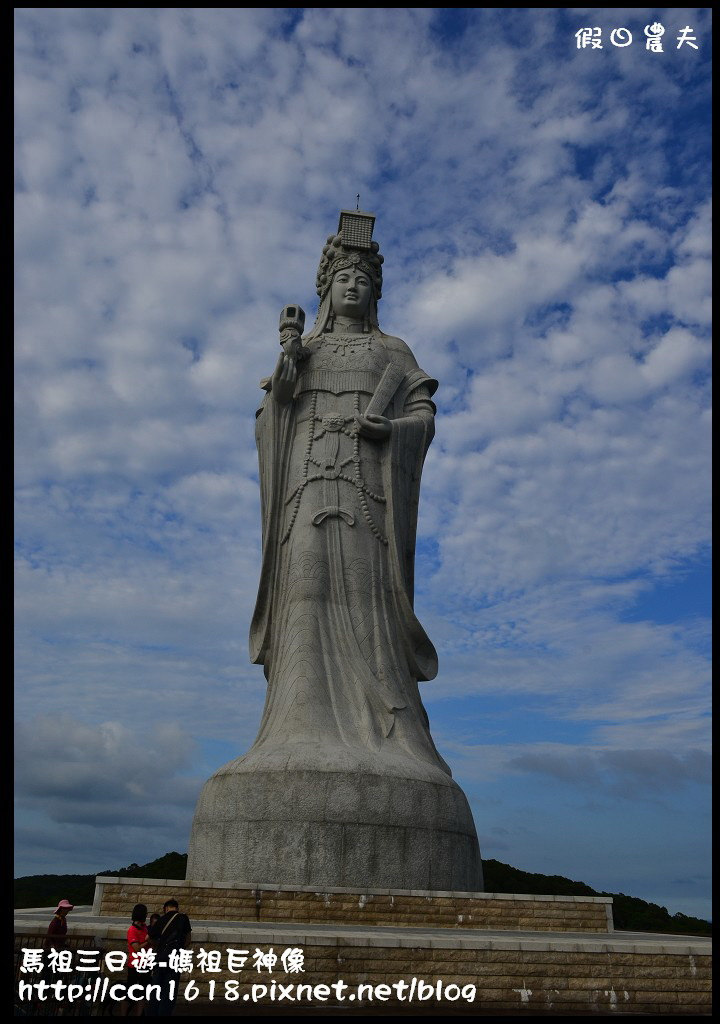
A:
350,291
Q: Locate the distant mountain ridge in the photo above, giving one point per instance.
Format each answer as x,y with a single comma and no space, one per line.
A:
630,913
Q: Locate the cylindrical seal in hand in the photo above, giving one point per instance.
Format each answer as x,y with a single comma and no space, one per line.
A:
292,324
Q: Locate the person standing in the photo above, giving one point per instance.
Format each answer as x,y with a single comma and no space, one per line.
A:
137,939
168,935
55,940
57,929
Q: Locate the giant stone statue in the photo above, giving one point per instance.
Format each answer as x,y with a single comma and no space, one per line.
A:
343,785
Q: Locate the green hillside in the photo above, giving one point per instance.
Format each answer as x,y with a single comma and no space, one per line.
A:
47,890
630,913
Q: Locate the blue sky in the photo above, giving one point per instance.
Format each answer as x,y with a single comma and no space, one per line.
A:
544,213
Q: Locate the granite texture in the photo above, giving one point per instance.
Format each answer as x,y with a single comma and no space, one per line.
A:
336,828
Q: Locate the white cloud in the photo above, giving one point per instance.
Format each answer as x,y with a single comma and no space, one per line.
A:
676,355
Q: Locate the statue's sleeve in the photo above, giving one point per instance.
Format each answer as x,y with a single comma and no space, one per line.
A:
412,431
273,434
419,401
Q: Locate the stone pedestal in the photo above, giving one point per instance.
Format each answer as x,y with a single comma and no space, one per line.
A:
301,815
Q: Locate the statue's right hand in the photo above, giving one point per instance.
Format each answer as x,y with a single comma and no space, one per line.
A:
284,379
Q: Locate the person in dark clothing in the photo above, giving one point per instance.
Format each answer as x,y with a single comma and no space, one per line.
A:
171,933
57,929
55,941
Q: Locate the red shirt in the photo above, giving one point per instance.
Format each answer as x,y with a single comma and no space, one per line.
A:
135,934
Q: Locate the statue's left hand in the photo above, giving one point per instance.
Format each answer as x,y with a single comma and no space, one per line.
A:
377,428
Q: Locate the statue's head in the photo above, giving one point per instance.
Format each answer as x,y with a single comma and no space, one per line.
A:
337,257
349,278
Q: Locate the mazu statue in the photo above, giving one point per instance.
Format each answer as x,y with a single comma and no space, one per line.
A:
343,785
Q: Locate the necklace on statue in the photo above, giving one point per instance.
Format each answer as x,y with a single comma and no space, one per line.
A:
344,344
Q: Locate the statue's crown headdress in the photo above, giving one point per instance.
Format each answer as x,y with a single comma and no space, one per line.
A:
352,246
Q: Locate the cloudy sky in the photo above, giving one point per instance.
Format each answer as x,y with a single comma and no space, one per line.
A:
544,212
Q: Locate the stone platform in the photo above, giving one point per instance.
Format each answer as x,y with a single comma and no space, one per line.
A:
269,904
501,973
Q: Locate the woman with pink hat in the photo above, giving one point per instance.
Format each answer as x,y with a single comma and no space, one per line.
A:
57,929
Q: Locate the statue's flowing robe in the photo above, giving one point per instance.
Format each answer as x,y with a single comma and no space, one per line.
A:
334,624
